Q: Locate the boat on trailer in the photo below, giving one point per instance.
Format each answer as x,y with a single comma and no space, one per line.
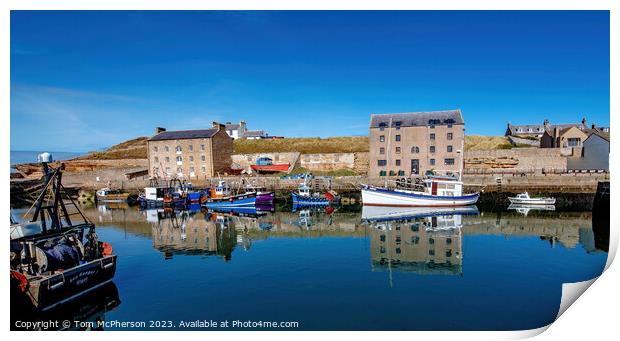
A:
436,191
55,258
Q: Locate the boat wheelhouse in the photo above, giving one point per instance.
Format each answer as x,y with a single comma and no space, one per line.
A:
525,199
221,197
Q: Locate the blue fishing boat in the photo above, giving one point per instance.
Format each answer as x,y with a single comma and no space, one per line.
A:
221,197
303,197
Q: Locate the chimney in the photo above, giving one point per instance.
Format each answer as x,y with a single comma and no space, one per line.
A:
218,125
546,123
242,126
159,130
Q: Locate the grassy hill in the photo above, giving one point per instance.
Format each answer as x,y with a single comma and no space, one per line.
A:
136,148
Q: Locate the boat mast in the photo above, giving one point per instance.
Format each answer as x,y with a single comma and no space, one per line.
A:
388,152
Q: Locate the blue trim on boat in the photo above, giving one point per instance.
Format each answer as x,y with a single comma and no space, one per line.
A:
413,195
236,201
308,201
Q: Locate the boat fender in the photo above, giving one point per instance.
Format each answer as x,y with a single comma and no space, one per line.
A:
21,279
106,248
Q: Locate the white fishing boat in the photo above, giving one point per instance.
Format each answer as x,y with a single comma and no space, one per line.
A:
525,199
437,191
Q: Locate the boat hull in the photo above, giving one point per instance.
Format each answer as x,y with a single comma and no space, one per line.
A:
265,197
308,201
244,200
372,196
49,291
113,197
534,201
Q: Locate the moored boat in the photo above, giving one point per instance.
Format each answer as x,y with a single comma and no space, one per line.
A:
437,191
222,197
111,195
303,197
263,196
55,258
525,199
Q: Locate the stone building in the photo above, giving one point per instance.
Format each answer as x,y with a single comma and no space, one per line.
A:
190,154
412,143
235,130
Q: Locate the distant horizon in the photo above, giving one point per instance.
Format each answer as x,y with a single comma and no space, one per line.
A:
298,73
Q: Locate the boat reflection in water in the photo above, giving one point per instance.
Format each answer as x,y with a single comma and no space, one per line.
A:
426,241
525,208
89,309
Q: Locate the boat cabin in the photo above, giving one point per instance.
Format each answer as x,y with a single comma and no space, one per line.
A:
443,186
303,190
221,190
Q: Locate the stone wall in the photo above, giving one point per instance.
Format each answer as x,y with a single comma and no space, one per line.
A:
528,160
328,161
245,160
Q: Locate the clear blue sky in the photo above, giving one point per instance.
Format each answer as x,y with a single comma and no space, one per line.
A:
87,80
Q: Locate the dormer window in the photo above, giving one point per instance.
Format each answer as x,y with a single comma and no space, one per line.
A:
382,126
398,124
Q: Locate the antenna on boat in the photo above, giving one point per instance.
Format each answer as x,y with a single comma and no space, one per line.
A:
388,152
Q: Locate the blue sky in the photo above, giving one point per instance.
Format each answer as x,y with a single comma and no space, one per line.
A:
86,80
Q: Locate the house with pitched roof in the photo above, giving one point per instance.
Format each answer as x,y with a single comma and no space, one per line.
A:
190,154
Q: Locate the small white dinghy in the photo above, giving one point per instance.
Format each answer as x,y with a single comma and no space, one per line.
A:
524,199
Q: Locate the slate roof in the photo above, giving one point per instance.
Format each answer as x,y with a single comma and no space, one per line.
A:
412,119
232,126
254,133
184,134
603,135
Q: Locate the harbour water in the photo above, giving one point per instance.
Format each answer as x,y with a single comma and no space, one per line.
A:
348,269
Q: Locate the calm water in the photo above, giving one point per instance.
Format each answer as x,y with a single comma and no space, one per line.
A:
374,269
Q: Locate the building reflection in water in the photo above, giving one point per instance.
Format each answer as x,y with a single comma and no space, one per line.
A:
426,241
192,233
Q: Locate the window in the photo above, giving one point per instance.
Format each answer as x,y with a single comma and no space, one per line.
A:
155,149
191,148
202,147
415,228
449,136
432,149
167,170
397,138
432,162
382,138
449,149
415,150
381,163
382,126
574,142
397,150
432,126
203,158
382,173
178,149
166,148
156,159
191,169
179,170
398,125
381,150
449,162
398,162
449,125
191,158
167,159
204,169
432,136
179,158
